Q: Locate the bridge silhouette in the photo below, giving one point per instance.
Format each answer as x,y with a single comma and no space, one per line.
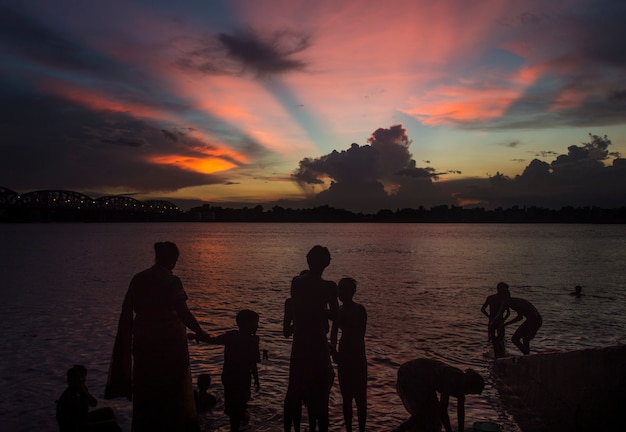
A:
59,204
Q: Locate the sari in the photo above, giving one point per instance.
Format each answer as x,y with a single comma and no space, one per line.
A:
158,378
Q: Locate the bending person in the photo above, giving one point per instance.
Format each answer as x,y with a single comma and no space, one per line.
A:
418,383
528,330
153,322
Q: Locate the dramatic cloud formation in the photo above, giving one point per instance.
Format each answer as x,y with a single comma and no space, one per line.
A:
220,101
383,174
378,175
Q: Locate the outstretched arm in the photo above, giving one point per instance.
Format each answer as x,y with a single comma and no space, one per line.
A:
187,317
519,317
204,337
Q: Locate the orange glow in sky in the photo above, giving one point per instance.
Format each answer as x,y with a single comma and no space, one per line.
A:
201,165
247,91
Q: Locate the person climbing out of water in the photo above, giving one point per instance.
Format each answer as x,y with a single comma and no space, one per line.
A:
528,329
350,357
496,331
241,355
418,383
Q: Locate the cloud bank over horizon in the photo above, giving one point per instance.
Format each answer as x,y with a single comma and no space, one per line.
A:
384,175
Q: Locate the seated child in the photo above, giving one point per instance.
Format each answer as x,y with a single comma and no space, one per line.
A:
241,355
204,400
72,410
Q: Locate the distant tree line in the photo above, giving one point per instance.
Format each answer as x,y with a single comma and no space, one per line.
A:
53,212
438,214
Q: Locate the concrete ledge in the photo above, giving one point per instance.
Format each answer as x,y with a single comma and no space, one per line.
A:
565,391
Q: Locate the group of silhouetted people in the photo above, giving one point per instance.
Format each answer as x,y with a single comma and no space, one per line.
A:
312,305
150,361
499,306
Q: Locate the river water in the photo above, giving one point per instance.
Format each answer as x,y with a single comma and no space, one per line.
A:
62,286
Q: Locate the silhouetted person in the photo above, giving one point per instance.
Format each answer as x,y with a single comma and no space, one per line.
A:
153,324
205,401
350,357
496,331
528,329
418,383
311,372
241,355
72,412
577,292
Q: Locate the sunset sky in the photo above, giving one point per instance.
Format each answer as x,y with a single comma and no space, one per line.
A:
360,105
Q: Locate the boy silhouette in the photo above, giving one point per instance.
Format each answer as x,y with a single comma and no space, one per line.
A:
350,358
241,355
72,410
496,331
311,373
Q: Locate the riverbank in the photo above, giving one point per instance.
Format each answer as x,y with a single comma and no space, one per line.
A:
565,391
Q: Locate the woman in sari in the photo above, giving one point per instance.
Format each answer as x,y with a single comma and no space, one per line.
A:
152,329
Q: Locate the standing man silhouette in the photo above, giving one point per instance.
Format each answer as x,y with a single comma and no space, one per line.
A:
496,330
314,302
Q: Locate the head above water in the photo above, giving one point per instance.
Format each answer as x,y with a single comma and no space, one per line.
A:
318,258
474,383
166,254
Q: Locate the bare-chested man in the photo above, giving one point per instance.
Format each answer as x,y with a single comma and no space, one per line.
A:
496,331
527,331
418,383
311,374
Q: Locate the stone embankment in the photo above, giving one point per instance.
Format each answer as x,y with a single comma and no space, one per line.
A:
572,391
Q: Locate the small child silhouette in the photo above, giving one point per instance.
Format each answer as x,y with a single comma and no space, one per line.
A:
241,355
72,411
204,400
